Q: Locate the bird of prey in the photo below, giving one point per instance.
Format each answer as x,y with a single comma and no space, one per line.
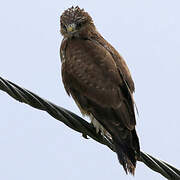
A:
99,81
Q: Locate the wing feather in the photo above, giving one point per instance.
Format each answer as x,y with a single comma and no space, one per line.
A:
91,70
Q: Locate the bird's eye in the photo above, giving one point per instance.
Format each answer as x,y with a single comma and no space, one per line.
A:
63,26
79,24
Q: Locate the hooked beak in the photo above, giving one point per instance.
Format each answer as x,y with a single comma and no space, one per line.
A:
71,28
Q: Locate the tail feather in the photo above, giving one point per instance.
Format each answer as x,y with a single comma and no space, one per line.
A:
126,157
123,135
127,151
118,122
135,142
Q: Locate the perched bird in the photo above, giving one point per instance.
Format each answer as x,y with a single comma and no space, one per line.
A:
99,81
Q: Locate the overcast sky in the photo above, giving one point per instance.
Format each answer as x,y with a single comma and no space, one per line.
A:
33,145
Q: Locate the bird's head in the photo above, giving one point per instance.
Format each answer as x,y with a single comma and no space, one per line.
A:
75,21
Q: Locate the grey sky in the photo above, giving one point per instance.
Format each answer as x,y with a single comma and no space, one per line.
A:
33,144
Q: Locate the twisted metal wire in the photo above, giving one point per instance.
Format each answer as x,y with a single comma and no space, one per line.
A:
80,125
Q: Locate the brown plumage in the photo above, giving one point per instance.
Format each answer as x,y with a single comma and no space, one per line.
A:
99,81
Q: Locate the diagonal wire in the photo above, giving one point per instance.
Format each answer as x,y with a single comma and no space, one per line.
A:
80,125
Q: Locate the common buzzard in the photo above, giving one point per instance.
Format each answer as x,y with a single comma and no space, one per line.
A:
99,81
